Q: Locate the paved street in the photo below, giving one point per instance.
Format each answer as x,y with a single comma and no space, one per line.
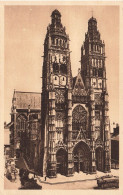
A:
64,186
78,181
71,186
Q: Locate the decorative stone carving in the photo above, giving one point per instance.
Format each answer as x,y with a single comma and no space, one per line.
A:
98,99
79,135
60,116
59,145
99,142
60,96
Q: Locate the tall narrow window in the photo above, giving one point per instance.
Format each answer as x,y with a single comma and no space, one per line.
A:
56,41
60,42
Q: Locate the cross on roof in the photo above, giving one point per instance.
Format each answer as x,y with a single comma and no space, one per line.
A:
92,12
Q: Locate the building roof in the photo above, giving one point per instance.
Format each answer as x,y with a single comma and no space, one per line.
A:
22,100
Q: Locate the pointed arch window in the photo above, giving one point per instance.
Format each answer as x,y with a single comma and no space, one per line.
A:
96,62
101,50
79,121
60,42
56,41
100,72
94,72
79,116
21,123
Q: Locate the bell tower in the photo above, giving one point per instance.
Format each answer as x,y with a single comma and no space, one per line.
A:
93,71
56,98
56,67
93,58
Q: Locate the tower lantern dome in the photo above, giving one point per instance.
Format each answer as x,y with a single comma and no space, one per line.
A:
92,19
55,12
56,18
92,25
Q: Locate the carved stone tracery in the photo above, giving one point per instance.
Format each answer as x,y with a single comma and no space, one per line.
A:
79,120
79,115
60,96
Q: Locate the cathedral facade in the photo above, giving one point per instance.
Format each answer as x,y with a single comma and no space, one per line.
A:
66,128
75,131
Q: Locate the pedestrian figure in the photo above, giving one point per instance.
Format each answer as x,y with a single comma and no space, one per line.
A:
45,178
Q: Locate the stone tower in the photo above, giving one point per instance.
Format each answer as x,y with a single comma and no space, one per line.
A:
56,97
93,70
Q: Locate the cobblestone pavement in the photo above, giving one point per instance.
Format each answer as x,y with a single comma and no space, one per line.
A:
77,177
78,181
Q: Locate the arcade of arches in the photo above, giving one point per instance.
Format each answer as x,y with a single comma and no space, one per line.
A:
81,159
81,152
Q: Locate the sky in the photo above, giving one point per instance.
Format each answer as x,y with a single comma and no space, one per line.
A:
24,33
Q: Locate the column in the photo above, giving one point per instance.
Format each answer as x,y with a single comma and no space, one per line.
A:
49,45
14,113
79,162
15,132
69,76
89,46
107,152
103,48
69,127
92,126
51,142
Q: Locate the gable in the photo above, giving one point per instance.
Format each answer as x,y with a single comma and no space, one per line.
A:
79,82
79,88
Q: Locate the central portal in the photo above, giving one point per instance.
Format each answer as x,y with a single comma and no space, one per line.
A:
81,157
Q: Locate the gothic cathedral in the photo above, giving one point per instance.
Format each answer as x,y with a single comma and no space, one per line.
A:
75,131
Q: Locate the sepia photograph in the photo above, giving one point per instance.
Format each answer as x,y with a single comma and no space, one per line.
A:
61,96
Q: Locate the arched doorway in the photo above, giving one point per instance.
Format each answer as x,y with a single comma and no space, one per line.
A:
61,157
99,158
81,155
